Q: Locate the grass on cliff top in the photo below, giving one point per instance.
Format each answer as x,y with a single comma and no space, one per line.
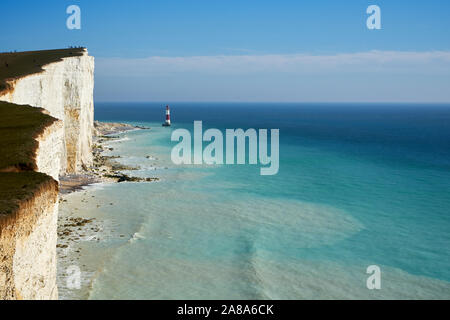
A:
16,187
19,64
19,126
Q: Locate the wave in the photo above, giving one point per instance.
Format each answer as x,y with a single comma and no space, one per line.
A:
136,236
117,140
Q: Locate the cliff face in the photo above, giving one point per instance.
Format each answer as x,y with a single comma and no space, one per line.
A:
50,151
36,146
28,235
65,89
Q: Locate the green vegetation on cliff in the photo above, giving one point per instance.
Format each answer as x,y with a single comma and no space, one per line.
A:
18,187
19,64
19,127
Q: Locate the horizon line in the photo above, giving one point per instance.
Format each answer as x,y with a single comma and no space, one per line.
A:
284,102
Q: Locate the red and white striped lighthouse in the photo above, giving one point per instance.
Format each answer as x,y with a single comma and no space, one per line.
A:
167,123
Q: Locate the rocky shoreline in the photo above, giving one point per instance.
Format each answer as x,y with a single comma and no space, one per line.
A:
105,168
74,227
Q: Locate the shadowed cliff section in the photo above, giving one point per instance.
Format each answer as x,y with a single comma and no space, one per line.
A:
19,128
20,64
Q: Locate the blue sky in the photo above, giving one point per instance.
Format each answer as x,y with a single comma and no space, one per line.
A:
261,50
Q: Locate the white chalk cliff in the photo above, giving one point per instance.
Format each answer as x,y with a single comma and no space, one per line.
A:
65,89
28,236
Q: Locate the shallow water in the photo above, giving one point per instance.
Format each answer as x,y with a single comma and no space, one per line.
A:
358,186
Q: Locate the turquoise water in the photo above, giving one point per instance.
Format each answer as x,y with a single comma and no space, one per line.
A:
358,185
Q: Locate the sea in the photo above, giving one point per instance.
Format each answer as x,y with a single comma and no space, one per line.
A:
360,186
